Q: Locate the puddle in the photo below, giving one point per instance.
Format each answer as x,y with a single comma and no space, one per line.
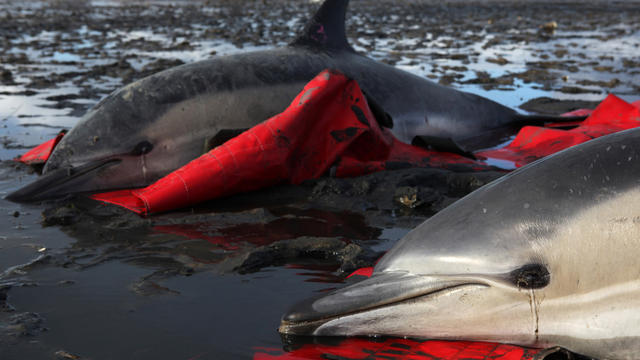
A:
89,313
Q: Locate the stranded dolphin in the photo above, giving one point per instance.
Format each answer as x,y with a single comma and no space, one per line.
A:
545,256
153,126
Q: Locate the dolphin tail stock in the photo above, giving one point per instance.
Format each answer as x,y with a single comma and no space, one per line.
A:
539,119
326,30
467,145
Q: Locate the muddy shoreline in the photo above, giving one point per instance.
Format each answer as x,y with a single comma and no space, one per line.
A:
81,279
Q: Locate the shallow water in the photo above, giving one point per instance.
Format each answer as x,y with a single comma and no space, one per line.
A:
156,294
169,286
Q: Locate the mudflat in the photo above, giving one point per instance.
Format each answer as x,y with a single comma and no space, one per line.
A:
79,279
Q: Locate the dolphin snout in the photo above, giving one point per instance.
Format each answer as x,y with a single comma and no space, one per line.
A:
379,291
64,181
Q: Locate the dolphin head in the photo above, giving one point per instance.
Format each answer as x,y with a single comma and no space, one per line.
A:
545,256
128,140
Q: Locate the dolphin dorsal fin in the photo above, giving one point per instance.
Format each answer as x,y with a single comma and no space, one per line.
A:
326,29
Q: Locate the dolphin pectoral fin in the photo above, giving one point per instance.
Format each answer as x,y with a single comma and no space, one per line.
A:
538,119
378,291
61,182
441,144
488,139
484,140
382,117
221,137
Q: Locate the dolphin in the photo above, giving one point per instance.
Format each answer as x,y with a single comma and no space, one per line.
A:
544,256
153,126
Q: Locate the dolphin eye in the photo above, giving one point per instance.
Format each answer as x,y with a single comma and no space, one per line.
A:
530,276
143,147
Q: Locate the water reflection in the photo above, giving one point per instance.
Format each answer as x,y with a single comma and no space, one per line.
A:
301,348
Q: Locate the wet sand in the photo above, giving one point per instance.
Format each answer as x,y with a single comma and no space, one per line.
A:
84,279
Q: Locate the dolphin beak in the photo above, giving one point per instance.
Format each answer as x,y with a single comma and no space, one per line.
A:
64,181
381,290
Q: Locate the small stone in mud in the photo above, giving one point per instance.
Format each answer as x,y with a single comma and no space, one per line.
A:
560,53
63,216
498,60
23,324
61,354
549,27
578,90
603,68
6,77
146,287
16,214
630,63
159,65
611,83
407,196
482,77
447,79
547,105
5,307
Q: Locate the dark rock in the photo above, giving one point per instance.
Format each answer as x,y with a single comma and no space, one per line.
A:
63,216
578,90
26,324
546,105
348,256
4,297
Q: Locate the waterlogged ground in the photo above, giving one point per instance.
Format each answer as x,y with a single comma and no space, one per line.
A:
84,280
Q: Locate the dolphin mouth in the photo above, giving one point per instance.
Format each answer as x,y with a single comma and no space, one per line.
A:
377,292
62,181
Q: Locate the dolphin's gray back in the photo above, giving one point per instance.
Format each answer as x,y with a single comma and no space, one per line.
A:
420,106
523,210
196,101
240,91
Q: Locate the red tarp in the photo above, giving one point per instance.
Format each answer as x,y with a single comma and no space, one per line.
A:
328,128
40,154
400,349
534,142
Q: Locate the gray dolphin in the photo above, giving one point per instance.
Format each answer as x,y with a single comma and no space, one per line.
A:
544,256
153,126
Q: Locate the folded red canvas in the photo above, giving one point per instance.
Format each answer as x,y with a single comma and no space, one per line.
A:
40,154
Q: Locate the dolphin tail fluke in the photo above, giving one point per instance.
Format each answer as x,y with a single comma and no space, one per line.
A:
326,30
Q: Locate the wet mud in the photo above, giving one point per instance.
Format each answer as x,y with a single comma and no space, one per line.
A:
84,280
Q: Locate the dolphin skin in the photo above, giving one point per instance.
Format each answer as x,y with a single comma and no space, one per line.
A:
544,256
153,126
